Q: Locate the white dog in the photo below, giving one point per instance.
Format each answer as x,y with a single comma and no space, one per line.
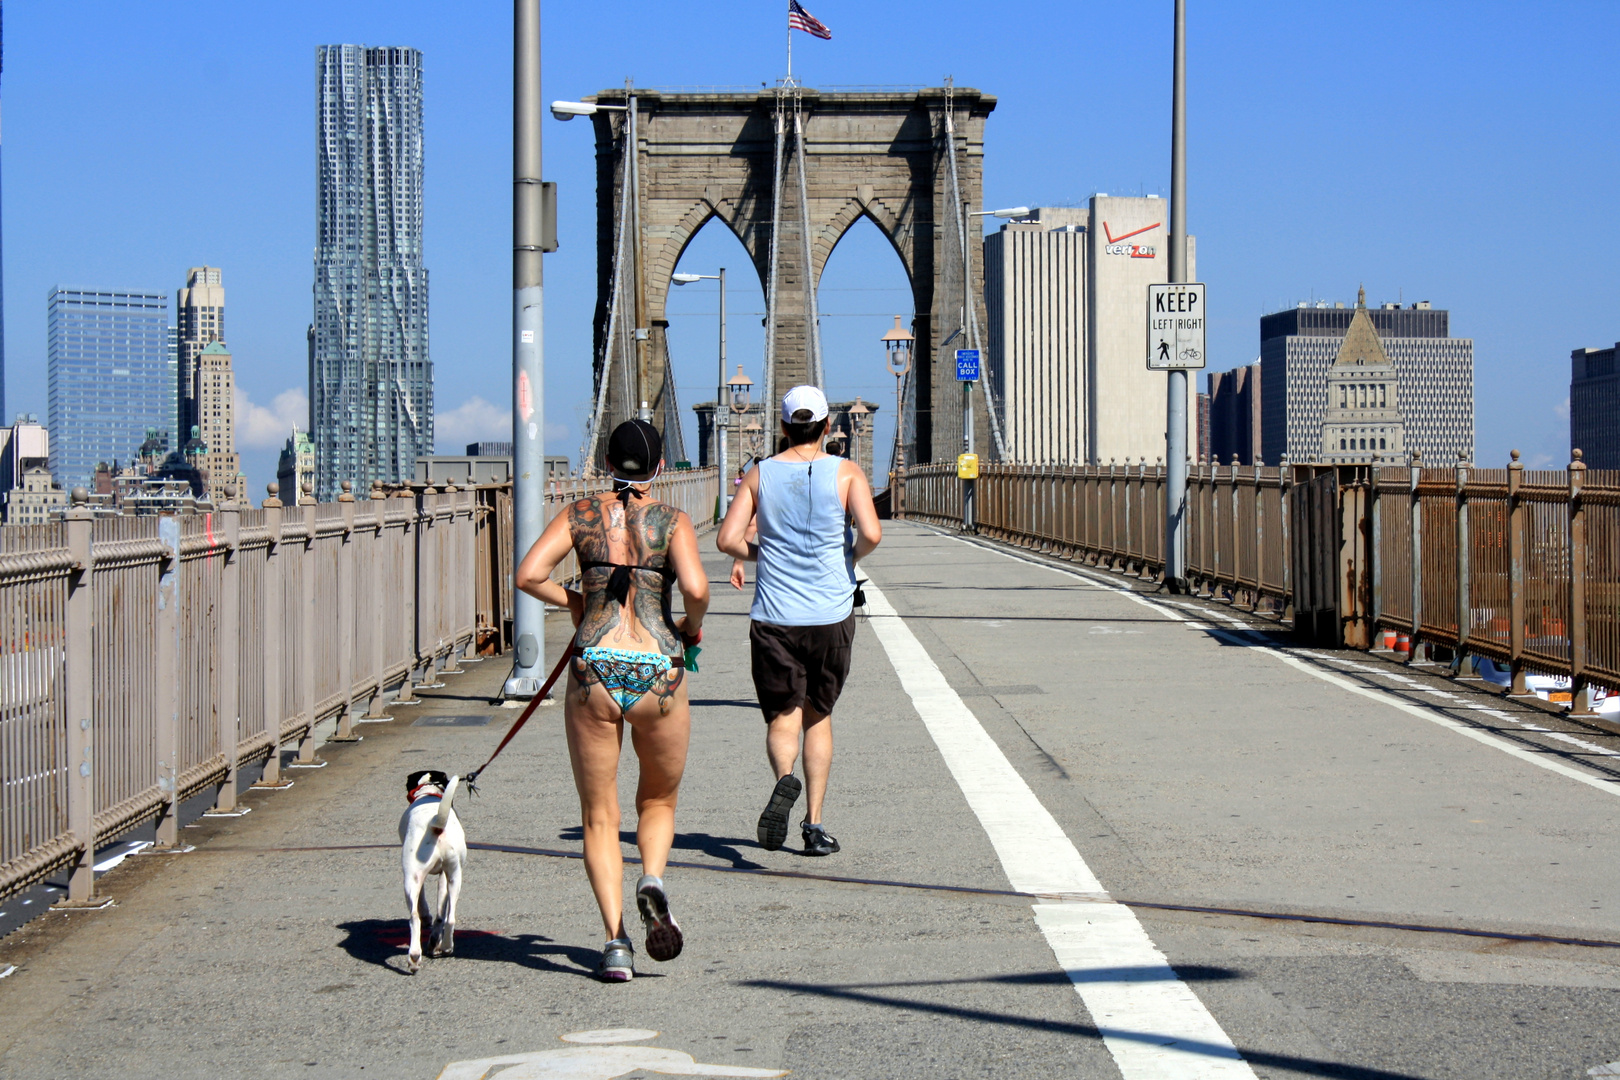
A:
433,843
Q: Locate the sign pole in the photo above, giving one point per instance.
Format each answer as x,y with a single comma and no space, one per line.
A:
967,463
1175,485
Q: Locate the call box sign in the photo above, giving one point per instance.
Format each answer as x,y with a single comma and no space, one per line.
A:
967,365
1176,321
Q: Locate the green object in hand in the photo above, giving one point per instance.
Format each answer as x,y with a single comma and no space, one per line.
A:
691,657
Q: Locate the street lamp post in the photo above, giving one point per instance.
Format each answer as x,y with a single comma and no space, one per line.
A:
897,345
756,438
858,413
567,110
528,368
721,394
737,392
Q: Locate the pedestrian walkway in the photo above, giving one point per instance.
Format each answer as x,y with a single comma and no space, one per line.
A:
1087,831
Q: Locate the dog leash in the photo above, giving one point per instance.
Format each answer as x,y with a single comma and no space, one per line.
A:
534,703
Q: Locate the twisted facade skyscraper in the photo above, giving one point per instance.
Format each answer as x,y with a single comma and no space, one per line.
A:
370,378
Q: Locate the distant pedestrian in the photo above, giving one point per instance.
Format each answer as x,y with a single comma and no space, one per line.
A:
815,519
628,666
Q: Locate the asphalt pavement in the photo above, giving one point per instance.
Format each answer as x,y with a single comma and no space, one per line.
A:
1088,831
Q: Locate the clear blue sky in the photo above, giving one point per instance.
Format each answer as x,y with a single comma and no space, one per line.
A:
1419,148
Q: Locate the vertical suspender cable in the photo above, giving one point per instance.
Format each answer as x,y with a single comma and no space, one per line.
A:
770,284
812,311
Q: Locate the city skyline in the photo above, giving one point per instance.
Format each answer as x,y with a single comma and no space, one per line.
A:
1274,224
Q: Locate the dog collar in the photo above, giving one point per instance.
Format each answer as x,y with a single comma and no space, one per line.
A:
412,796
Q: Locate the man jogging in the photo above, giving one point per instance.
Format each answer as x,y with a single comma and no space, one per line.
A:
802,503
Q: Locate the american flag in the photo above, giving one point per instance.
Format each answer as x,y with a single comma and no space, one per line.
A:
800,19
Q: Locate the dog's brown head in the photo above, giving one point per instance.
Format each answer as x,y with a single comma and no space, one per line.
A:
423,778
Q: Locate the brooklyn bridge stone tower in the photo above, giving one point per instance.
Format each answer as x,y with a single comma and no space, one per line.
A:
788,170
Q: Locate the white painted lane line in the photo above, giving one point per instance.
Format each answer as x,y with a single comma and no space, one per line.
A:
130,848
1600,783
1153,1024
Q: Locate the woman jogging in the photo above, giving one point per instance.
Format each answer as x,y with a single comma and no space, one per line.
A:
627,666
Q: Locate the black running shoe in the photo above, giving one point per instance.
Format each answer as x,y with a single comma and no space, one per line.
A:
817,841
664,938
773,823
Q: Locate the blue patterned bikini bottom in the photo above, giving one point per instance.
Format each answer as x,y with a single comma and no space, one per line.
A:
625,674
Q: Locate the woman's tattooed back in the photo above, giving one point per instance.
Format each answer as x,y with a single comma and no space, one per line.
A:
627,600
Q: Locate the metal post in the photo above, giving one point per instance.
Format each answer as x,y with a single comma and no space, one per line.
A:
166,661
1175,510
79,687
969,487
722,409
1464,610
1580,696
306,637
1516,552
1417,556
227,706
379,545
528,367
274,638
345,619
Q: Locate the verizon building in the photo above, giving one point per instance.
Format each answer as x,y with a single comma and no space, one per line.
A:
1434,375
1066,291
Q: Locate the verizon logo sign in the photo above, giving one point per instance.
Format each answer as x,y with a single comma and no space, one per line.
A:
1115,246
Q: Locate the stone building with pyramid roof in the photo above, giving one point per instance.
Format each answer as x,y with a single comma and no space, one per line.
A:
1363,419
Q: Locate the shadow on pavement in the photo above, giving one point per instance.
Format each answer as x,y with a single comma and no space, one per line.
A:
1184,972
1297,1065
723,848
378,941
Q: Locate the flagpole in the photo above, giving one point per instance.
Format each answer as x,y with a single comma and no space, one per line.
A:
789,80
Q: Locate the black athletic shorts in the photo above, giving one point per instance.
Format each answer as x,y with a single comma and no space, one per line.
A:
800,665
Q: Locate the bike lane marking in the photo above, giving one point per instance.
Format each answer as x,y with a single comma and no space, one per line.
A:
1153,1024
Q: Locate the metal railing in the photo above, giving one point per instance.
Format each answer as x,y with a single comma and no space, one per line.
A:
1517,566
145,660
1113,516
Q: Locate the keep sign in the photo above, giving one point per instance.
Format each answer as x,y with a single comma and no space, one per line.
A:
1176,320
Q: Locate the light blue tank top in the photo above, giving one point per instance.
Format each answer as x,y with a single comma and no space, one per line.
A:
806,573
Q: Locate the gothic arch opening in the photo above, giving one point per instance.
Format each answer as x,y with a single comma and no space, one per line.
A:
692,312
863,286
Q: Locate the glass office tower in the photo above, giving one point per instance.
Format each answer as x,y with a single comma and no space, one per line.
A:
371,382
107,364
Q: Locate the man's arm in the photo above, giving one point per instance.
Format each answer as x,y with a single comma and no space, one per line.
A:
858,501
733,537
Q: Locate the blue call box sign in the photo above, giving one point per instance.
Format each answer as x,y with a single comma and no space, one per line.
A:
967,365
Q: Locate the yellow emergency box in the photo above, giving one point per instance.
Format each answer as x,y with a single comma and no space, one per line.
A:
967,466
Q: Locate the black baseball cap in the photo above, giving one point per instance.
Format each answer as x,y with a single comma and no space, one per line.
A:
635,448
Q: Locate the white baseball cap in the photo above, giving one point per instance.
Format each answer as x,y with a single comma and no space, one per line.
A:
804,397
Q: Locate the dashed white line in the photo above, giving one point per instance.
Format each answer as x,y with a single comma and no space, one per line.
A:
1153,1024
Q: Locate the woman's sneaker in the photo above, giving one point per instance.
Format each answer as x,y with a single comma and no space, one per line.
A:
817,841
773,823
664,939
617,961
